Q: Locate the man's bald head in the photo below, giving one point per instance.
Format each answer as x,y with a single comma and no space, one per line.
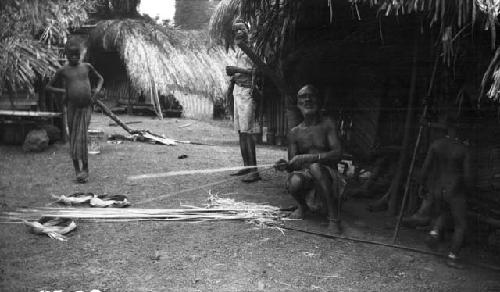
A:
307,100
308,89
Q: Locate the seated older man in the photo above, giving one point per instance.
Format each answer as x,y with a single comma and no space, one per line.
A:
314,151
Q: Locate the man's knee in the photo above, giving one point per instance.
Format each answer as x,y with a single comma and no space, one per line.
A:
315,168
295,183
318,171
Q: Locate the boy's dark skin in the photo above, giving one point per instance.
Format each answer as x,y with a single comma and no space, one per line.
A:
78,91
447,174
313,146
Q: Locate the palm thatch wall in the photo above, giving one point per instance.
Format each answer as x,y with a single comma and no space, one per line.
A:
160,60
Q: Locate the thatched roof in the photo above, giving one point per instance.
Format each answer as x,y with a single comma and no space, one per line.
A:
29,31
275,22
162,58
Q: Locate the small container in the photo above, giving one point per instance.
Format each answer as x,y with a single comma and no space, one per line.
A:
94,141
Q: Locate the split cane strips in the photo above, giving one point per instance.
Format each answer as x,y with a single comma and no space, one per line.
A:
217,209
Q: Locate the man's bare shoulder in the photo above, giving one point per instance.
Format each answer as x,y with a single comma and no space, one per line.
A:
293,132
87,65
329,124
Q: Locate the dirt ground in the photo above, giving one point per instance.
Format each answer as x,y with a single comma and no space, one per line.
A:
214,256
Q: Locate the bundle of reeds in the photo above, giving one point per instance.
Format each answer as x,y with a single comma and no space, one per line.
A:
216,209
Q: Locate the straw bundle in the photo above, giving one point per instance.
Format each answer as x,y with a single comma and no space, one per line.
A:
216,209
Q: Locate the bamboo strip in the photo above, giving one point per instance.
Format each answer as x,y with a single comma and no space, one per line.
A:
194,171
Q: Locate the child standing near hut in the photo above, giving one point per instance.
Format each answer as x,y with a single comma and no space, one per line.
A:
78,100
446,174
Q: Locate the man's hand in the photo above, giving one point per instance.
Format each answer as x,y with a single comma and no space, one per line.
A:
281,165
300,161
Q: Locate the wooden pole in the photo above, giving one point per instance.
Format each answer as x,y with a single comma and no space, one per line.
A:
415,150
110,114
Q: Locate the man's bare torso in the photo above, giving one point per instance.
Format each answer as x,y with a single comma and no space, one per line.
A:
313,139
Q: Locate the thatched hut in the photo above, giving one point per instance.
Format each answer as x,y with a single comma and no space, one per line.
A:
351,45
379,64
139,58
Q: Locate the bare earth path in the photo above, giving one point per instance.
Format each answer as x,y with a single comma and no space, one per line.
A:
216,256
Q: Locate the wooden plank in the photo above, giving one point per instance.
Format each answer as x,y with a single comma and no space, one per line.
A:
28,113
18,102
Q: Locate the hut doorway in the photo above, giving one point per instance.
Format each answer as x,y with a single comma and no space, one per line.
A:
117,87
170,106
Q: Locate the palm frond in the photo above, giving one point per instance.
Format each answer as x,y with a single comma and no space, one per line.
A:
274,22
28,29
23,61
220,25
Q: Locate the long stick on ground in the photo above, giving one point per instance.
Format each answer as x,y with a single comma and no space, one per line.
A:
144,133
195,171
110,114
373,242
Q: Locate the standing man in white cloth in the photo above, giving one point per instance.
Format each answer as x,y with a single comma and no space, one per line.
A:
241,87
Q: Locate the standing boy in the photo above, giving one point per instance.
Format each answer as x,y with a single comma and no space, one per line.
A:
78,100
447,175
